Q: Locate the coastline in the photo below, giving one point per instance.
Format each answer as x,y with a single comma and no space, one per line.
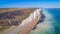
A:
40,20
30,25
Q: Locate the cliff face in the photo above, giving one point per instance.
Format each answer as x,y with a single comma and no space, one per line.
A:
29,23
35,15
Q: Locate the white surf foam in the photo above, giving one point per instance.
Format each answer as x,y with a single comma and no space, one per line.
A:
46,27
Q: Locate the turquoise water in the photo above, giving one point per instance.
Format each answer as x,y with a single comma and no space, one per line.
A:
56,18
51,23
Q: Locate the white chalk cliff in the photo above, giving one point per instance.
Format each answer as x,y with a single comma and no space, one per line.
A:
35,15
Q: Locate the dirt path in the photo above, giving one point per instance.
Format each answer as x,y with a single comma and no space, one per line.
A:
29,27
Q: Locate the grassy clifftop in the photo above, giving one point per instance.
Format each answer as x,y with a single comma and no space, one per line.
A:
13,16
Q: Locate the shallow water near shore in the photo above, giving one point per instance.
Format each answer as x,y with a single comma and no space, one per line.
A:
50,25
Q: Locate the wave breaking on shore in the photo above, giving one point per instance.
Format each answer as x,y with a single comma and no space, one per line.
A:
45,27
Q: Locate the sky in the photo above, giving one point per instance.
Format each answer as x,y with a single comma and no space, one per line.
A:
29,3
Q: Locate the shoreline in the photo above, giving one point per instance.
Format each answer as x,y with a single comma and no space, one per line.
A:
40,20
31,25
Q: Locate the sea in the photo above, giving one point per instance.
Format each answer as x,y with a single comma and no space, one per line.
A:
51,23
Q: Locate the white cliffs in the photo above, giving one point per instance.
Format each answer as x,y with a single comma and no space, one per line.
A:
29,23
35,15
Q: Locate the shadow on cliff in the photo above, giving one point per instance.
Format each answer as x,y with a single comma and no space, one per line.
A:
41,19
